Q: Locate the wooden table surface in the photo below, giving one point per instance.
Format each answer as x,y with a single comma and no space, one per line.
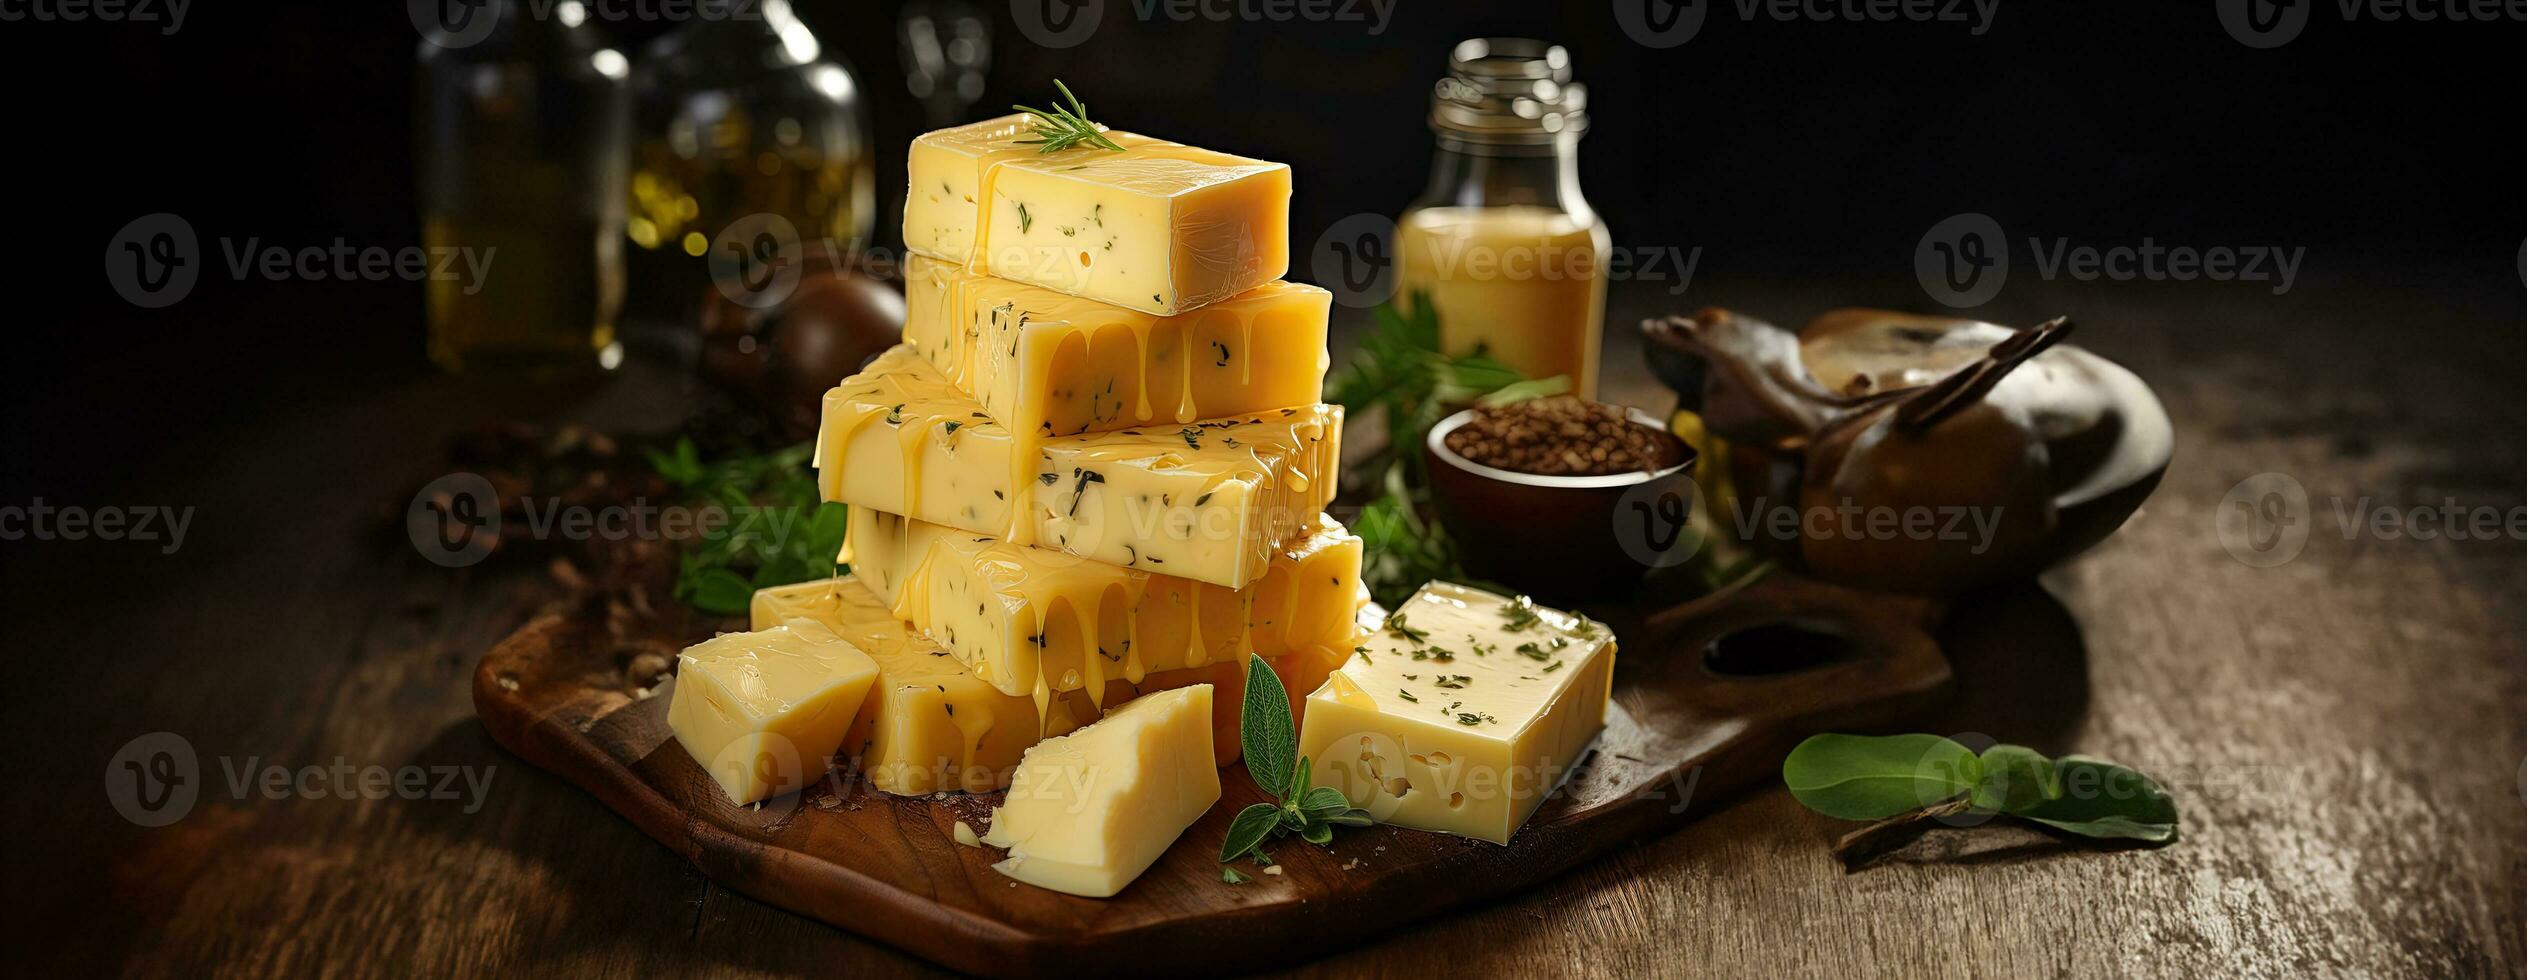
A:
2344,732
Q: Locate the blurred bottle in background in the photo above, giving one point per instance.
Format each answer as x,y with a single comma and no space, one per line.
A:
1502,241
521,157
741,112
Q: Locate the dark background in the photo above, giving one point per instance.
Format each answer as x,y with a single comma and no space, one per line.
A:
1788,151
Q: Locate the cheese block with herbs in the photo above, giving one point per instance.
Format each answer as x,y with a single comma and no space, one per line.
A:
1210,502
1037,622
1155,226
1057,365
1461,712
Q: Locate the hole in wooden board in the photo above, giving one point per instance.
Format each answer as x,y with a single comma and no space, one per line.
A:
1770,649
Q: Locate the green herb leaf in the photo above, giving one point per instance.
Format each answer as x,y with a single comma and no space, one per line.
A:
1299,782
2015,779
1230,875
1063,127
1856,777
1264,729
2101,799
1248,830
1324,801
1352,818
1318,834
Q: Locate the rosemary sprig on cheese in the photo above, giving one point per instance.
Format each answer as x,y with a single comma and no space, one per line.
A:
1063,127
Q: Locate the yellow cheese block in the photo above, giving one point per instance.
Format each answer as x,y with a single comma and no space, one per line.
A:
1211,502
1091,810
1159,227
930,726
762,711
1462,712
1038,622
1055,365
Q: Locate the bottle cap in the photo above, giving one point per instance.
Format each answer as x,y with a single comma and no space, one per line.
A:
1508,91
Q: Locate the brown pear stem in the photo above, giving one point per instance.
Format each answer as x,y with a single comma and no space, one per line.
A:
1927,406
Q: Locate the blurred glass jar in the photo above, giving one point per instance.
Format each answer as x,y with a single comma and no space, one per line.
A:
740,112
520,151
1502,241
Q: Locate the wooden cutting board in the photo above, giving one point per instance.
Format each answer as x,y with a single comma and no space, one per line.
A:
1687,729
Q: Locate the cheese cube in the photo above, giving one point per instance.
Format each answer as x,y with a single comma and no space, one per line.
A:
1461,713
928,725
1033,621
1210,502
1159,227
1054,365
1091,810
762,711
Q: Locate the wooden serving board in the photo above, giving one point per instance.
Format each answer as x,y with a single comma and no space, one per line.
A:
1680,738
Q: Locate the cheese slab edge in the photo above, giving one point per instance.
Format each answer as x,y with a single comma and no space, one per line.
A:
763,710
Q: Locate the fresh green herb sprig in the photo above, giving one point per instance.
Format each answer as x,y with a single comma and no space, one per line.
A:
1063,127
1271,745
776,531
1912,783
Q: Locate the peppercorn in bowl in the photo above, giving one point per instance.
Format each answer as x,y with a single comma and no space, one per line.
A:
1562,497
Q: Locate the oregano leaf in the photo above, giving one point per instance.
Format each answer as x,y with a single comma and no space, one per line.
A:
1319,834
1249,829
2101,799
2015,778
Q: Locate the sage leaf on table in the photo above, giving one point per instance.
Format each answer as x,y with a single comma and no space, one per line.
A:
1272,758
1911,782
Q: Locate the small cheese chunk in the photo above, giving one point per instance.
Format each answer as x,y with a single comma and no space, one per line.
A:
762,711
1039,622
1093,809
929,725
1054,365
1461,713
1211,502
1159,227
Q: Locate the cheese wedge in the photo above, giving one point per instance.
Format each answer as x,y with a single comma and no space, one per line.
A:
1159,227
1462,712
1091,810
1037,622
762,711
930,726
1211,502
1055,365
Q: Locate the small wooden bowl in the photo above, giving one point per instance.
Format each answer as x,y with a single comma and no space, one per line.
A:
1561,538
